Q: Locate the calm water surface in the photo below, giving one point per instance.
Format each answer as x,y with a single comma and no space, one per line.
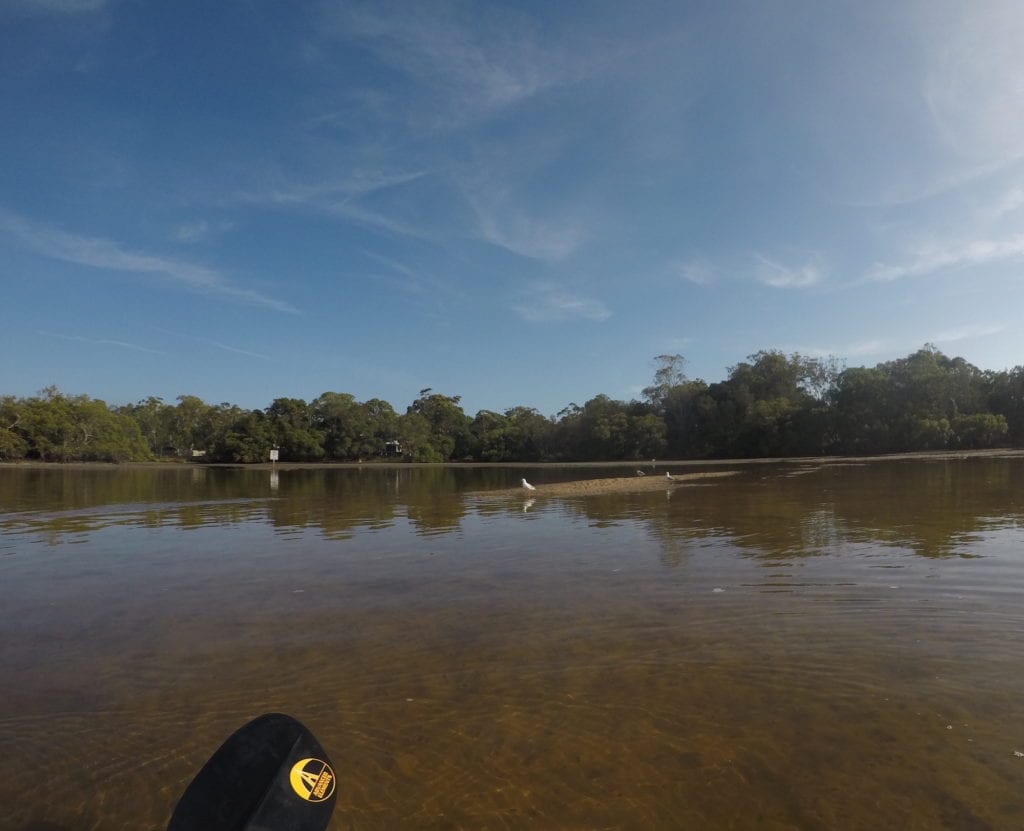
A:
795,647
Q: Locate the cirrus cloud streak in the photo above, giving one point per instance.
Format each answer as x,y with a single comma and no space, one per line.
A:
106,255
549,303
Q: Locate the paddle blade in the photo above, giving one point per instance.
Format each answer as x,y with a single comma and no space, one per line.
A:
270,775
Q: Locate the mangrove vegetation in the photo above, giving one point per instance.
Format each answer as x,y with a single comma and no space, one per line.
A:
772,404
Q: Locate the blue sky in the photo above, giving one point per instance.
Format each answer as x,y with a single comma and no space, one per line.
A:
518,203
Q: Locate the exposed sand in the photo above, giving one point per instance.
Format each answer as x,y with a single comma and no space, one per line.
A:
618,484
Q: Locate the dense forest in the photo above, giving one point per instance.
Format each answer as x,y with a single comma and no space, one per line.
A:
772,404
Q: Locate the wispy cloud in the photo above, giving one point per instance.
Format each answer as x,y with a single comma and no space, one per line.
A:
420,289
466,62
415,282
356,183
851,349
945,113
102,342
936,183
216,344
698,272
780,276
929,258
57,6
453,68
513,230
1008,203
972,86
966,332
367,218
770,272
234,349
200,229
106,255
341,199
891,347
502,186
548,303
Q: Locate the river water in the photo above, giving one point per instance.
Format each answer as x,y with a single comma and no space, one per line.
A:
793,647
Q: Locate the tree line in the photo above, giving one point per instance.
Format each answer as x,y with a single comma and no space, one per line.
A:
772,404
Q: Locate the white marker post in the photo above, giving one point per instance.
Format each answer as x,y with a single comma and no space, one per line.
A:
273,456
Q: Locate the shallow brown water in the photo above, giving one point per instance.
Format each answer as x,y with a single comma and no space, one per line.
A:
794,647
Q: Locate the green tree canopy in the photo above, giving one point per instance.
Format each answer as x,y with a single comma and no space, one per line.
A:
772,404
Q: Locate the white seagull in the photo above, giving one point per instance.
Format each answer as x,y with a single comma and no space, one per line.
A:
528,486
668,475
640,473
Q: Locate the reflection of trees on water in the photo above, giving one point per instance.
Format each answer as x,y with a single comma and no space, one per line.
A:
65,504
339,501
435,501
334,501
933,508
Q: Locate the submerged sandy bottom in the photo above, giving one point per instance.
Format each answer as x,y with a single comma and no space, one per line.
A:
838,649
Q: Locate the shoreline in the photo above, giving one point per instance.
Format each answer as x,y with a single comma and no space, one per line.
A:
661,464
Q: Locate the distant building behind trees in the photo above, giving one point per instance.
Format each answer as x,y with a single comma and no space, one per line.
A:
772,404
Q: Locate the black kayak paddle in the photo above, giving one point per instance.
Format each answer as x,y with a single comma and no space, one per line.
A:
270,775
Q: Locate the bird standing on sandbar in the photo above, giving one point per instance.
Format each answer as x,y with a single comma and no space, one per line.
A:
668,475
528,486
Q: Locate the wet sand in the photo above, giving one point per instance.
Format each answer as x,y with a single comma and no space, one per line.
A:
618,484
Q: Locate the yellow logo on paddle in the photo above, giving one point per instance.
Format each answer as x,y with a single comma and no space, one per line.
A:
312,779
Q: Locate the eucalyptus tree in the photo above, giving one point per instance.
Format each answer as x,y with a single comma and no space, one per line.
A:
12,445
490,437
154,418
341,423
417,441
247,438
52,426
1005,396
291,424
765,406
529,434
690,412
448,424
350,429
669,375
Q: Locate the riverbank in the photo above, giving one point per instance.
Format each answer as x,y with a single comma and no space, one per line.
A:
660,464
